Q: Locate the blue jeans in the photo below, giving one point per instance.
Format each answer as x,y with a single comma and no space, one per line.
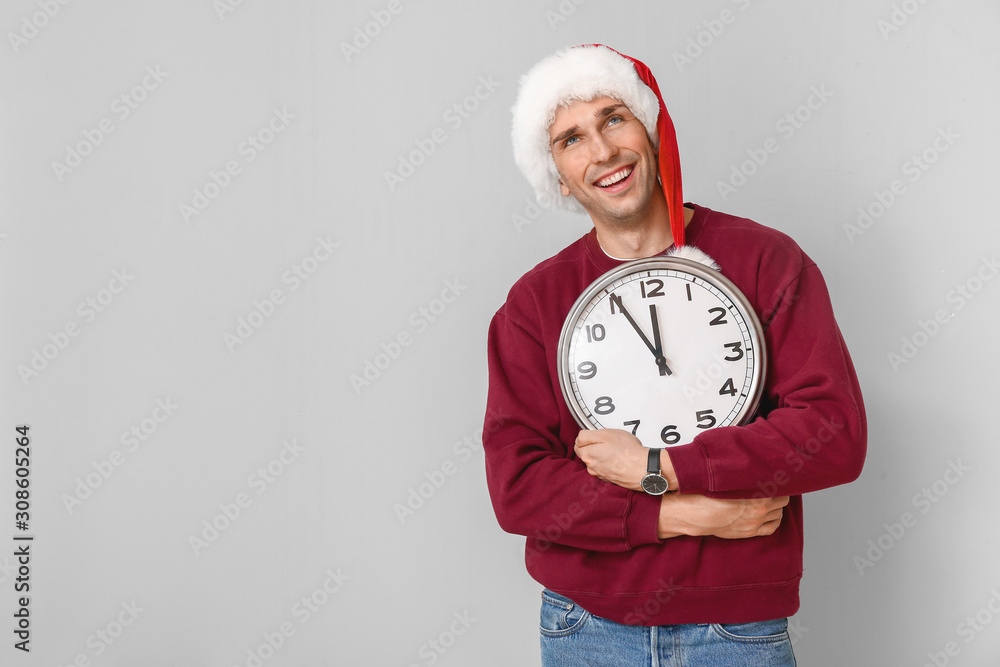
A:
573,637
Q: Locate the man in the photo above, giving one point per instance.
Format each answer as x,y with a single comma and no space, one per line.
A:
707,573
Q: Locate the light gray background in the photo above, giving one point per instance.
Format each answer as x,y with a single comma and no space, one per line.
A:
460,217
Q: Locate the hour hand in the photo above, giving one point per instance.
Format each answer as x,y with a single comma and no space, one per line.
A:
657,346
655,349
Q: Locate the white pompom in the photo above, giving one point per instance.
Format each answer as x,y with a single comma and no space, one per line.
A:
695,255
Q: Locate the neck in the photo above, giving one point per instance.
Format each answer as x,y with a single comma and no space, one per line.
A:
638,238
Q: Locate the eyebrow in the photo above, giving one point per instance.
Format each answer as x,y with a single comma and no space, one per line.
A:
600,113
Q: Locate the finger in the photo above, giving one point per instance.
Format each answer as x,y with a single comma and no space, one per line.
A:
586,437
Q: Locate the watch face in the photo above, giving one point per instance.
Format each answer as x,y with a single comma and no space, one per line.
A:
663,347
655,485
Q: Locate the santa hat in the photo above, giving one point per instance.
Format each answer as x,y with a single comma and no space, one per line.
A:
584,73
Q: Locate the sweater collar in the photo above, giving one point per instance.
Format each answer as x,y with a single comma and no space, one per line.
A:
605,263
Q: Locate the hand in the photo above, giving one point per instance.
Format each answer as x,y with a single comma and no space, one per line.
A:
661,361
732,519
654,347
618,457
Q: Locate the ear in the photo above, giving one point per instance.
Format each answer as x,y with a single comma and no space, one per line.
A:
563,189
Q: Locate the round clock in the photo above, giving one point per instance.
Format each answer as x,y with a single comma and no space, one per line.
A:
665,348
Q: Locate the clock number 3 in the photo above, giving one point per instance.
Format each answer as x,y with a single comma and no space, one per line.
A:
737,350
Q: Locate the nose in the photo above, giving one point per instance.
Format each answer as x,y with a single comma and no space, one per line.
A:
601,149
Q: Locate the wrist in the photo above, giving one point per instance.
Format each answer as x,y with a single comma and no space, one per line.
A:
667,470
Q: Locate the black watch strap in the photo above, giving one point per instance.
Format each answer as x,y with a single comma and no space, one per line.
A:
653,461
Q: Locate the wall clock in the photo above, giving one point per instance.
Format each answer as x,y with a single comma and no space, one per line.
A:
664,347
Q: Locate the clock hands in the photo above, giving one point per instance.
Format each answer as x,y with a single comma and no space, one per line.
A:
655,346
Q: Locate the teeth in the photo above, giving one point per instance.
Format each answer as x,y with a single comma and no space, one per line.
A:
615,178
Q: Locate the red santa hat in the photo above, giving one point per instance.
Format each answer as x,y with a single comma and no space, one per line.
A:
584,73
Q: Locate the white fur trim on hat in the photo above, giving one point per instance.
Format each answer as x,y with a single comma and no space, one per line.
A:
578,73
695,255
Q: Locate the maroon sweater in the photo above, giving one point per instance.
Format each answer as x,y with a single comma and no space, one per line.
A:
596,542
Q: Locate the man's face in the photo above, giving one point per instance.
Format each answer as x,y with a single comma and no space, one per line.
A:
605,160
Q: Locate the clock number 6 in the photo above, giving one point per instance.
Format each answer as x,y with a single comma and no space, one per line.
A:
669,435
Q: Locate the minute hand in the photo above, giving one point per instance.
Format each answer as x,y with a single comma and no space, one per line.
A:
657,353
661,361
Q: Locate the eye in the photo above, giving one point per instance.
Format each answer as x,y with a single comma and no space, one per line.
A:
615,119
570,140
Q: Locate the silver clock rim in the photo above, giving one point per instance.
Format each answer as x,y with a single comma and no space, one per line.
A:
662,262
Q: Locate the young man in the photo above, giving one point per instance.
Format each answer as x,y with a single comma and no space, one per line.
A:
708,573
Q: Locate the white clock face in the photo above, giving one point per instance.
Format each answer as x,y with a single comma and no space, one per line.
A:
664,348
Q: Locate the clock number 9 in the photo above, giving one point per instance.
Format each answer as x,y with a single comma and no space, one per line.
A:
586,370
603,405
669,435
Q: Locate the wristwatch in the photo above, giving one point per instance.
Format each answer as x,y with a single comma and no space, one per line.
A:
654,483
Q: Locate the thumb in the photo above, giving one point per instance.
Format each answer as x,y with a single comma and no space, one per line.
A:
586,437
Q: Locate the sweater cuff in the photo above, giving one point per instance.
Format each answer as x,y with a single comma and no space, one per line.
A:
691,468
641,519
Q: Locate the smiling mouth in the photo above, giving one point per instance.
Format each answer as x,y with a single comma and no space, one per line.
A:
615,178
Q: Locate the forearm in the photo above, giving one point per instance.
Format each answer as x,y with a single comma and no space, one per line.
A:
699,516
537,486
812,432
